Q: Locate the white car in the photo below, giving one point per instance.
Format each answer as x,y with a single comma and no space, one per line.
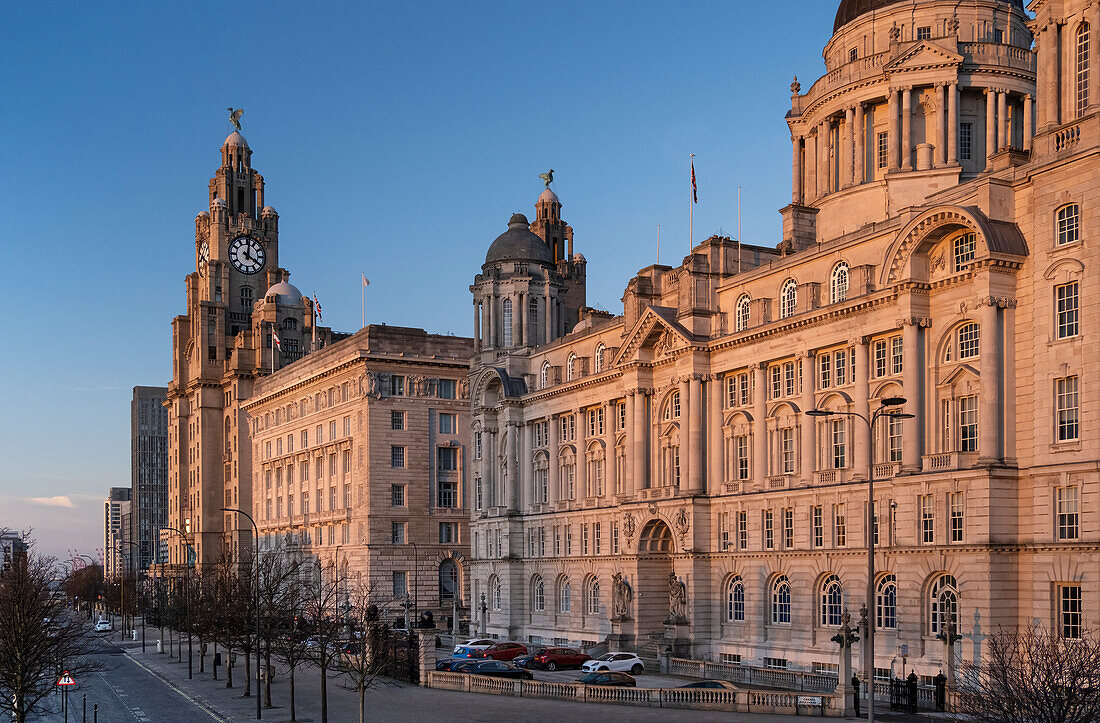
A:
619,662
103,626
474,644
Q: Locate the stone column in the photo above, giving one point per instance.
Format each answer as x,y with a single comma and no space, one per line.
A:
808,447
1093,15
714,435
796,170
628,461
511,482
810,160
1004,138
910,379
907,129
581,477
524,326
941,120
1029,126
492,474
847,160
953,124
860,129
862,405
610,461
477,326
517,315
525,460
687,459
548,309
990,122
759,423
553,494
824,169
892,130
695,433
641,468
490,317
990,369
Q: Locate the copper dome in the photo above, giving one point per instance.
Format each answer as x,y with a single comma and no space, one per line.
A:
851,9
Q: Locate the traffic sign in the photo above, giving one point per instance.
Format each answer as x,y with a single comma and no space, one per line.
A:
66,679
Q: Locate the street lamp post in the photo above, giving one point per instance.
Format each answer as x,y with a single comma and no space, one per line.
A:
125,574
256,564
186,598
888,408
91,603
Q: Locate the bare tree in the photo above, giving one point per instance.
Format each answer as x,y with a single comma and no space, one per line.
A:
278,582
290,647
321,605
1033,676
365,660
39,636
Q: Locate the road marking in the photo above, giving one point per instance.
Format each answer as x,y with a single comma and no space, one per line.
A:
198,703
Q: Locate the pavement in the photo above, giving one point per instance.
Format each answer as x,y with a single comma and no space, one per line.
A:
154,687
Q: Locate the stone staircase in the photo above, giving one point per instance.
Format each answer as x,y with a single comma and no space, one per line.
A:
649,648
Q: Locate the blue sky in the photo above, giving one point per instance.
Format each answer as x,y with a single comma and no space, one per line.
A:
396,138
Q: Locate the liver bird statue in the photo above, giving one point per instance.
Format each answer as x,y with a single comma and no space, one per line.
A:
547,177
235,116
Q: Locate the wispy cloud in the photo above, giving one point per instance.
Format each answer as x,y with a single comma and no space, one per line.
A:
92,389
59,501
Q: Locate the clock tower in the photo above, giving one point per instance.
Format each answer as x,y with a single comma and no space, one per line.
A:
236,297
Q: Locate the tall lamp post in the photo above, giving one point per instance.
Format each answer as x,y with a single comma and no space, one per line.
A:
888,408
256,564
186,596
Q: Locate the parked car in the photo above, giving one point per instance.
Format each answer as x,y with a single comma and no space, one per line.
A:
622,662
102,626
446,663
554,658
497,669
527,661
464,665
501,651
712,685
475,643
608,678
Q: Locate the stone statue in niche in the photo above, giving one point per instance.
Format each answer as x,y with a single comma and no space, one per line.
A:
895,33
621,596
464,389
677,599
369,385
418,385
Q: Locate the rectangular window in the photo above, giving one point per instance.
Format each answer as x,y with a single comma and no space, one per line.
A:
347,426
741,457
883,149
841,366
789,379
397,533
896,356
777,382
305,438
1066,301
825,368
584,539
448,423
445,388
968,423
595,422
477,493
927,519
1068,518
347,462
448,532
447,495
557,541
614,538
957,519
786,449
840,526
742,530
788,528
568,540
776,663
620,409
400,584
447,458
477,445
1065,394
1070,610
837,434
893,439
290,443
397,495
769,530
745,390
397,385
320,434
1069,224
818,526
332,430
724,531
397,457
924,32
597,546
966,141
880,358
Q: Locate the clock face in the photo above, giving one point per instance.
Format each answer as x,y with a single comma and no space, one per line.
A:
247,254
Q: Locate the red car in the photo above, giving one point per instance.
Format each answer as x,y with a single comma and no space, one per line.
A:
554,658
501,651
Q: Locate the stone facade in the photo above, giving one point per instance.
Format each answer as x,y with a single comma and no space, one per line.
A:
359,458
654,478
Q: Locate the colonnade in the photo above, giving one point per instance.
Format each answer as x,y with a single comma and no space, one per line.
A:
549,320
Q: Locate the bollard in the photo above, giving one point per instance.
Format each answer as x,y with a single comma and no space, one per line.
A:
160,647
95,713
83,708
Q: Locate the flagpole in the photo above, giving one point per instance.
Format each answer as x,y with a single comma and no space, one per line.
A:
362,303
691,208
272,347
658,244
738,229
313,316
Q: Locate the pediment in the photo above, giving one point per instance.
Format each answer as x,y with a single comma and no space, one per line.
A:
658,331
923,55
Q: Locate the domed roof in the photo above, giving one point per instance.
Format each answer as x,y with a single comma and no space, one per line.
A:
219,202
268,211
235,139
519,244
202,214
548,195
285,294
851,9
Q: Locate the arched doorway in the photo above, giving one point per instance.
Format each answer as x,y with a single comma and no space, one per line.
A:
655,549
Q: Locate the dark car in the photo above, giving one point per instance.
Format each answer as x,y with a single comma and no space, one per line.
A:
711,685
608,678
497,669
501,651
554,658
465,665
447,663
526,661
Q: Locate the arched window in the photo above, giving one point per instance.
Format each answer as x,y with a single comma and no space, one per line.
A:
943,604
544,376
887,602
788,298
735,600
969,339
571,367
781,601
741,313
506,323
963,249
538,594
592,597
1083,53
246,297
831,602
838,283
290,324
597,363
448,579
672,406
494,593
655,537
1069,228
563,596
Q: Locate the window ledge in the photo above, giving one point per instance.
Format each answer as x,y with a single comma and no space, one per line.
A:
1067,247
1073,445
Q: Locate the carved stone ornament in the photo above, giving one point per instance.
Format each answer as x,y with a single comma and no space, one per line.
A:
418,385
652,508
895,33
796,87
628,526
677,599
369,385
953,25
938,262
464,389
682,523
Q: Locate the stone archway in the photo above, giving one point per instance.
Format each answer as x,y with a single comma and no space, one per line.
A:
655,549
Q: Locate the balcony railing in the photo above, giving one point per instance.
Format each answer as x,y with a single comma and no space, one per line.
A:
886,470
779,482
948,460
657,493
